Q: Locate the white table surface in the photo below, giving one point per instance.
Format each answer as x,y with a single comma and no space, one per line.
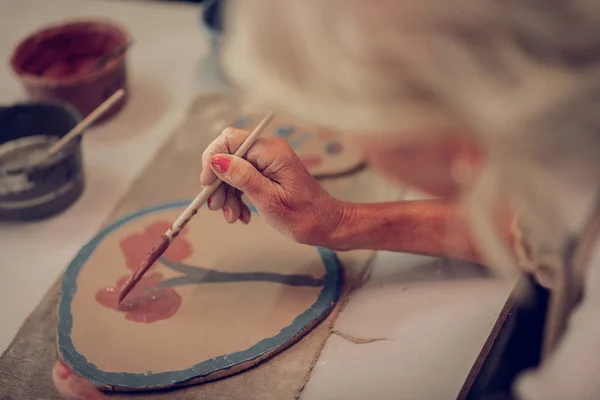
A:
434,316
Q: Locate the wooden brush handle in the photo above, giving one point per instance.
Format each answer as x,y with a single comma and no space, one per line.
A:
94,115
192,209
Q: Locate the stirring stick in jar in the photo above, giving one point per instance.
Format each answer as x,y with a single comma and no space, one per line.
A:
166,239
87,121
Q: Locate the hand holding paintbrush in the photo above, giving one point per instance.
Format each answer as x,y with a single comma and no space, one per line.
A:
190,211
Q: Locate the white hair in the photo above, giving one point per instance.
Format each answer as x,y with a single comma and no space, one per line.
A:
524,75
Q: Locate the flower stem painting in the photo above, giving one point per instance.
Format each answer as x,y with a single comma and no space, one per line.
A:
154,299
221,299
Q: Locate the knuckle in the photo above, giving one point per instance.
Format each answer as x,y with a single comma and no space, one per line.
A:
234,133
212,149
279,148
232,138
208,152
227,131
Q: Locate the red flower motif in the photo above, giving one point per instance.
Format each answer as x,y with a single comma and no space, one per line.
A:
327,134
137,246
146,303
311,161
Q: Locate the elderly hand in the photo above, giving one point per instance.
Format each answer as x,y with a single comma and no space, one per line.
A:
275,181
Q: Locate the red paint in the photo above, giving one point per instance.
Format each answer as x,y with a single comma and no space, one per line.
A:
146,303
312,161
155,254
220,163
243,218
56,63
69,67
327,134
65,55
208,201
137,246
62,370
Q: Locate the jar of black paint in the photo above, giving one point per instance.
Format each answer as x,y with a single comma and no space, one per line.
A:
33,186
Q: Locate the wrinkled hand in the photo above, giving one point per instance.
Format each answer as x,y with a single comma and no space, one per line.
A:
276,182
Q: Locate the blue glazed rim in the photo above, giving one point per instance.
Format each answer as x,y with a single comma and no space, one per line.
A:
326,300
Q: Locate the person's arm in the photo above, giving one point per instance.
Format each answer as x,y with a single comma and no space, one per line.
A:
292,201
428,227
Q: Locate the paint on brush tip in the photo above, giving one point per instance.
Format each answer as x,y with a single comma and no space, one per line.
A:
146,303
154,255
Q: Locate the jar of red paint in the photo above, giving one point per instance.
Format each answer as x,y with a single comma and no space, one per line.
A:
60,63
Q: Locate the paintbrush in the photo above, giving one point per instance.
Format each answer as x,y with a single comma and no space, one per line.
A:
166,239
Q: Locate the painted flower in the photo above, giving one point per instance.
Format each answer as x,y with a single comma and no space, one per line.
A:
327,134
334,147
146,303
137,246
311,161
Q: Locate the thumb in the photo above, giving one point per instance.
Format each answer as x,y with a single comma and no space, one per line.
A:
240,174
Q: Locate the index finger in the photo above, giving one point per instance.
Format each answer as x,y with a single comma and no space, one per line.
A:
226,143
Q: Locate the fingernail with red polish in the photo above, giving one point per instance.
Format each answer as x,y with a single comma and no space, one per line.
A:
208,201
243,218
220,164
63,371
226,213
